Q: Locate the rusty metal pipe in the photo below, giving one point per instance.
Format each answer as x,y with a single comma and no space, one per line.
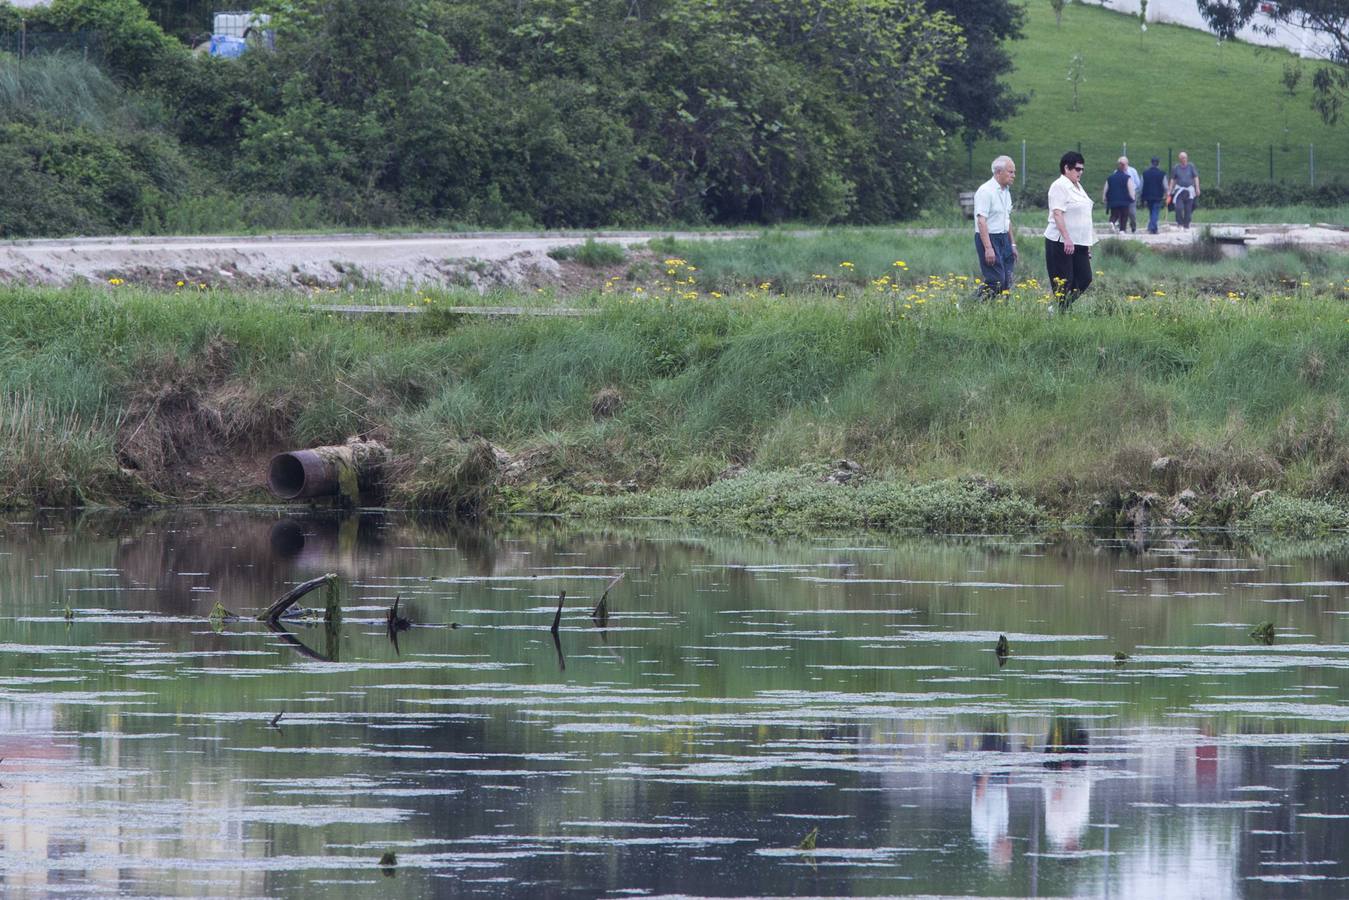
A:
320,472
302,473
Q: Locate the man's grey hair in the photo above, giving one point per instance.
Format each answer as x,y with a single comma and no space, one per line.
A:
1001,163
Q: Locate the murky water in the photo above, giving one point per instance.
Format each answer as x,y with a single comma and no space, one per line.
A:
744,695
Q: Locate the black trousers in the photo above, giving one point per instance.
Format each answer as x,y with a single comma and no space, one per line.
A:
1069,275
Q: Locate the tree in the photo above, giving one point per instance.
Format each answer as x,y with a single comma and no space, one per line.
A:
1326,19
1077,73
978,97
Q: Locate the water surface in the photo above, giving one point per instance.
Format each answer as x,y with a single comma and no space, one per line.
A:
741,695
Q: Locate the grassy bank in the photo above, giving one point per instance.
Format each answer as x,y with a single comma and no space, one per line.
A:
116,396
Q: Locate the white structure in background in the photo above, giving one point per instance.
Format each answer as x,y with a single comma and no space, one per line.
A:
1186,12
232,33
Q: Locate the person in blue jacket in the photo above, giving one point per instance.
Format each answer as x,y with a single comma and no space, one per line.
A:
1154,193
1118,194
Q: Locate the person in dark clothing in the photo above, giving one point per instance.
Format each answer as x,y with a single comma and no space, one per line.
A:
1118,194
1154,193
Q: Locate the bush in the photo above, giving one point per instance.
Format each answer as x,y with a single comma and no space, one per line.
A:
133,46
62,182
592,253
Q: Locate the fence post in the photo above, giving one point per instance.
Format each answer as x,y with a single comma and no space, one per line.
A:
1311,163
1168,159
23,38
1024,173
1271,163
1219,182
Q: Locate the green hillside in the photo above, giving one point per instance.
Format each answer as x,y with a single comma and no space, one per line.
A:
1166,90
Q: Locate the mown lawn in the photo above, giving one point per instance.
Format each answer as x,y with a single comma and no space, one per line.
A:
1166,90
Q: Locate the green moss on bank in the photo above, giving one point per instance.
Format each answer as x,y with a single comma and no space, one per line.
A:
1295,516
802,502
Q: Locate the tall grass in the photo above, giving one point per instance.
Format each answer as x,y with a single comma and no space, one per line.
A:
51,456
60,88
225,213
1243,393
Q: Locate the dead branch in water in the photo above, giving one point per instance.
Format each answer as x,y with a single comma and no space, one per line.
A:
393,621
288,599
601,612
557,619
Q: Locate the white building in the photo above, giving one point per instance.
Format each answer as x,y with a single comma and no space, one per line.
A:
1186,12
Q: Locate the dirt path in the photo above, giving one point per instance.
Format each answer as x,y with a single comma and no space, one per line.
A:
478,260
334,261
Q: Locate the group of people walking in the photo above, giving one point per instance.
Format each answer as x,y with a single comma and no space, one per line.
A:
1069,233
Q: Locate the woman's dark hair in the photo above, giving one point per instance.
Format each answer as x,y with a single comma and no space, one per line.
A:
1070,159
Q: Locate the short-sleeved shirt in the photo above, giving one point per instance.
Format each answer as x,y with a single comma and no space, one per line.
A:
1184,176
1076,206
1136,179
994,203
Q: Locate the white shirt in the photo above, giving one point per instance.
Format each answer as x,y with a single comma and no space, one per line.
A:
994,203
1076,208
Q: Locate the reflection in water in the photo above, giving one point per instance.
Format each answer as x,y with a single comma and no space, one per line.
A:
332,637
732,696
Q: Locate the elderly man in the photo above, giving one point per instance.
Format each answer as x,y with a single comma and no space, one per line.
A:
1118,195
993,240
1184,189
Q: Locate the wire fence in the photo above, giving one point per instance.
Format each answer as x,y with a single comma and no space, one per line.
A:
26,43
1301,165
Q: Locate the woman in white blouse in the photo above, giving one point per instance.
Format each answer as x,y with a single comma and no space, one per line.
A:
1069,237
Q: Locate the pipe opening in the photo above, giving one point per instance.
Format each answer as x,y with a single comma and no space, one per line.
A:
286,476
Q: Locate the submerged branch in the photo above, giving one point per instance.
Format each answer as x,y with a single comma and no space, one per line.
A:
288,599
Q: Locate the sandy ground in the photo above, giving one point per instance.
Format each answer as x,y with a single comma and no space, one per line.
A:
327,261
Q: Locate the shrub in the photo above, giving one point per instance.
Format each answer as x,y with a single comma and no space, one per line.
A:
87,181
592,253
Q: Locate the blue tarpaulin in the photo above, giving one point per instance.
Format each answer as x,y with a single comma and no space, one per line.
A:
227,45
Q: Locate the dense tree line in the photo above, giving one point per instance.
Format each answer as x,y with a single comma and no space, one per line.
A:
497,112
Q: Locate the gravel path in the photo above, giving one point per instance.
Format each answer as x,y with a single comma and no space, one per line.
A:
326,261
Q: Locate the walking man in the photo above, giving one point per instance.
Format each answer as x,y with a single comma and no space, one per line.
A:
1184,189
993,240
1118,195
1154,192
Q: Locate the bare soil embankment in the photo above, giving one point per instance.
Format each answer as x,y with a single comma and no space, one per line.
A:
478,261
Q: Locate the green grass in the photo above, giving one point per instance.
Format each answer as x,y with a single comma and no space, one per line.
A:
592,253
815,264
1170,89
118,392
